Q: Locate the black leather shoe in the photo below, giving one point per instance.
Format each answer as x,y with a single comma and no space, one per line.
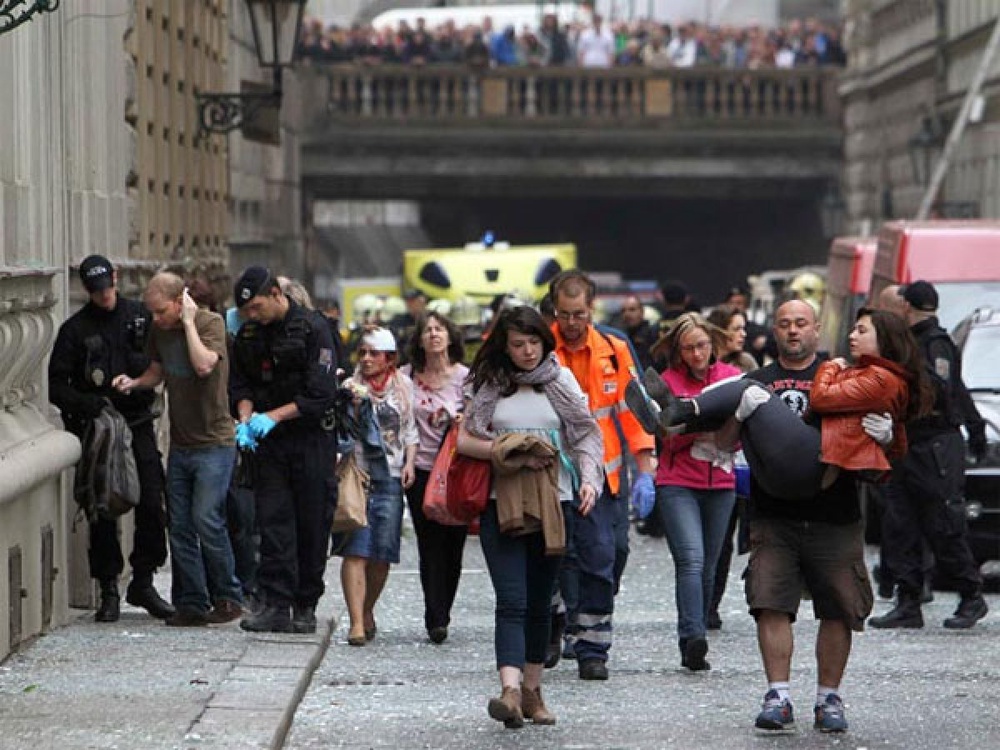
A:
657,388
438,635
593,669
694,654
145,596
186,617
109,610
970,611
270,620
645,410
906,614
304,619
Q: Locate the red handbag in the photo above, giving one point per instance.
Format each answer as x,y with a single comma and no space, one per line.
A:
435,505
468,487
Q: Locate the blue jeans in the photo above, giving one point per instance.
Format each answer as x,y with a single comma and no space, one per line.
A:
695,522
523,579
197,482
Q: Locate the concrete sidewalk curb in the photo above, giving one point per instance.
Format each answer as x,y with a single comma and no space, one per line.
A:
328,626
255,703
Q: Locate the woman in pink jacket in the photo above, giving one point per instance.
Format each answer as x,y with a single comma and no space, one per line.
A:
695,484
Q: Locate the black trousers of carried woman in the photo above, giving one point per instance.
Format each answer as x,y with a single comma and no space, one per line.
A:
782,449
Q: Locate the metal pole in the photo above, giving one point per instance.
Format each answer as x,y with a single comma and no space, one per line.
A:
955,136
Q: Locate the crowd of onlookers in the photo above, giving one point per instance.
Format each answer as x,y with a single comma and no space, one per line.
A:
595,44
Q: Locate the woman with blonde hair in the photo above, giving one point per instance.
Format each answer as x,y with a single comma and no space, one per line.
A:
695,483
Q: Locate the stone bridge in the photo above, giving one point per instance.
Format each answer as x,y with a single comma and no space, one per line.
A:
751,151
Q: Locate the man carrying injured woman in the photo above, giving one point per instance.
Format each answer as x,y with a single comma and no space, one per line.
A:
857,412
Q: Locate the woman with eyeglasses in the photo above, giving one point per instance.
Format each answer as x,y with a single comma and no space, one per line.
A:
695,483
438,376
388,456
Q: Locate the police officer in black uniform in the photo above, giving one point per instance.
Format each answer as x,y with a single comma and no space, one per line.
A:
282,386
924,497
106,338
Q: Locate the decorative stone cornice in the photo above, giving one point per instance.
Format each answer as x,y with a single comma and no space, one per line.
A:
28,325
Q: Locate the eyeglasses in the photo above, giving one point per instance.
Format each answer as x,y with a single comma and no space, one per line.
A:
701,346
579,316
369,352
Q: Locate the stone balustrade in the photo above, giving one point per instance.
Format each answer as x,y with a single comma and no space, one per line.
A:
625,96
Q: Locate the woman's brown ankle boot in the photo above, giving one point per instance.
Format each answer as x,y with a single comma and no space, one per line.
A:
533,707
507,708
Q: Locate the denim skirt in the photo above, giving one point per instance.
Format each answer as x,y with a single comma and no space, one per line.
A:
380,539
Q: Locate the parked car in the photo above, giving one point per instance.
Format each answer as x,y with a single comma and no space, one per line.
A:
978,338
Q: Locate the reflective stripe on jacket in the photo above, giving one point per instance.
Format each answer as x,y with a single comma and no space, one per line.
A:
603,366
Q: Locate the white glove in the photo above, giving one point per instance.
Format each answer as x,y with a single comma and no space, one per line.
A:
878,427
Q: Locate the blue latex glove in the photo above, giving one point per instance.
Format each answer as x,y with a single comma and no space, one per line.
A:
244,439
643,495
260,425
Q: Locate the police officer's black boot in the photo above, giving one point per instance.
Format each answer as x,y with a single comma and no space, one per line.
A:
109,609
304,618
271,619
970,610
141,593
906,613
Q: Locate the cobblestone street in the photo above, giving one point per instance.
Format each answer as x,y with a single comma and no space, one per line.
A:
916,689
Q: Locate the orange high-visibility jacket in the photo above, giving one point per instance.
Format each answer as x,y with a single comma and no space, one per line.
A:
603,366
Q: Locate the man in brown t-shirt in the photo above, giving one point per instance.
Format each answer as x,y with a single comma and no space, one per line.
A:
187,350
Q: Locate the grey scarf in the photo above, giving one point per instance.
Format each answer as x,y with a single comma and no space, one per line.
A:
579,430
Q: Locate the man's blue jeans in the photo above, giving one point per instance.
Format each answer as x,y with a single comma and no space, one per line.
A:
197,482
695,522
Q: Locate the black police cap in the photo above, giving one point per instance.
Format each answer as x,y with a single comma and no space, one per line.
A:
97,273
253,281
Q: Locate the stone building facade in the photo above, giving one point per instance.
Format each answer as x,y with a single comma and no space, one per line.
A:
102,155
910,66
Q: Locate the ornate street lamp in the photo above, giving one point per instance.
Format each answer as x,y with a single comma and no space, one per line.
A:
832,210
922,147
276,28
15,12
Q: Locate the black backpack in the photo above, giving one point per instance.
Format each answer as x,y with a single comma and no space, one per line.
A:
107,480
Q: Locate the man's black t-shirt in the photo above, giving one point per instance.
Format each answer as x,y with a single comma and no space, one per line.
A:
838,504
